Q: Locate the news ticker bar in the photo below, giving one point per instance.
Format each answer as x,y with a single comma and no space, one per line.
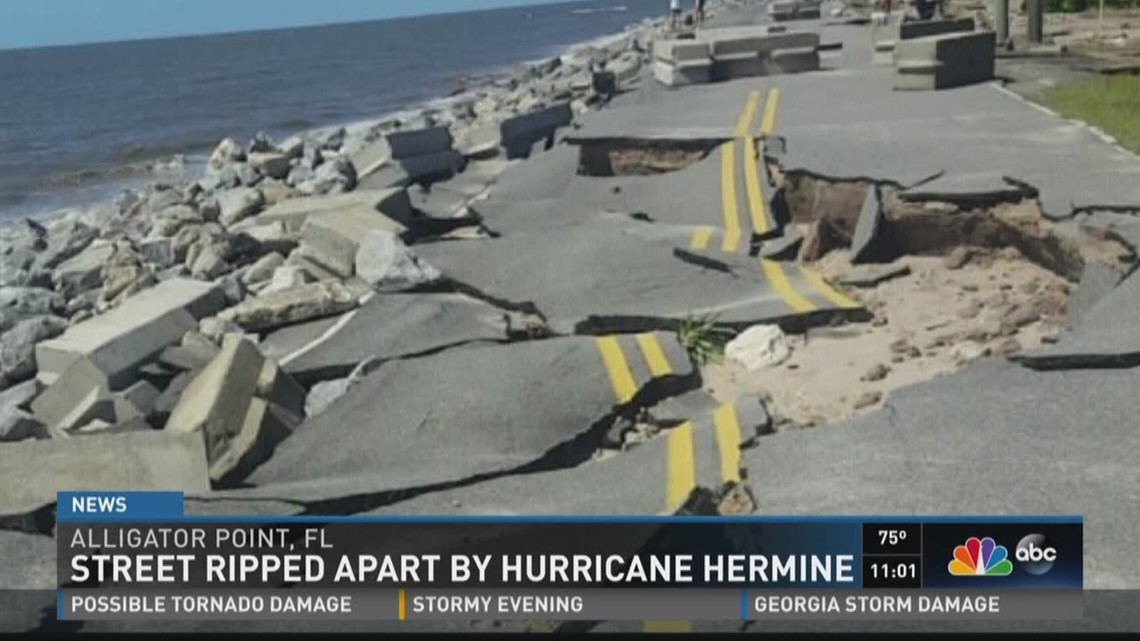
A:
570,605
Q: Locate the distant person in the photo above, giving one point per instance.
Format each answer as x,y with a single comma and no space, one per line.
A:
699,11
674,14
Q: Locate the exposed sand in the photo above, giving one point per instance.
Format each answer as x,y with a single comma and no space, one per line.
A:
932,321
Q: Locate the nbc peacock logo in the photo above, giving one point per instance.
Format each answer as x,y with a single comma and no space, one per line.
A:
981,557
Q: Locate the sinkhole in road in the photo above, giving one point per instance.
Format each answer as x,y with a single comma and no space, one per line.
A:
947,283
612,157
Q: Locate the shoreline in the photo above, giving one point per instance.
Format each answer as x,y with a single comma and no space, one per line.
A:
136,178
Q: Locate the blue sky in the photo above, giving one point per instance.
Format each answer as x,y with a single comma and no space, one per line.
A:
35,23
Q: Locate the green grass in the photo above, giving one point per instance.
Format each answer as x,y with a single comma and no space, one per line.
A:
1111,103
703,340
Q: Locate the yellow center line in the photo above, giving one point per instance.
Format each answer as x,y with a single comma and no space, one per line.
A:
654,356
752,181
728,198
728,442
768,124
403,605
744,125
783,286
681,477
621,376
826,290
701,238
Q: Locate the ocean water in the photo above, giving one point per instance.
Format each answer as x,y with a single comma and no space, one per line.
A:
78,123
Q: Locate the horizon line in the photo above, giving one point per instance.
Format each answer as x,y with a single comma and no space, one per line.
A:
297,27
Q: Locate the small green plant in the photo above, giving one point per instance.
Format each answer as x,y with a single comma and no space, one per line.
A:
702,339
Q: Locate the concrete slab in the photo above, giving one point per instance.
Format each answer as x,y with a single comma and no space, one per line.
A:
356,455
431,167
76,383
333,239
290,306
235,404
390,204
409,325
864,247
33,471
399,144
125,337
622,275
276,385
518,135
1104,338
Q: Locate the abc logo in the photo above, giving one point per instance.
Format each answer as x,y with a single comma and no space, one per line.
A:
1035,555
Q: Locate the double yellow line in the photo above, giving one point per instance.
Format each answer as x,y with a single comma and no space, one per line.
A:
681,468
758,208
680,445
731,241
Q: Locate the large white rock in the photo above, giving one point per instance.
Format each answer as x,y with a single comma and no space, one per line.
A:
290,306
18,344
263,269
126,336
388,265
759,347
227,152
238,204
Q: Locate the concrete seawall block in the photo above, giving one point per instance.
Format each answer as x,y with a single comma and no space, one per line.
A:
69,389
331,240
744,65
683,75
124,338
944,61
794,60
681,50
392,203
262,428
225,404
418,142
518,135
439,165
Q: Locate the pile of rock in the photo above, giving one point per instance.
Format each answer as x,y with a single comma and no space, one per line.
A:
132,327
144,316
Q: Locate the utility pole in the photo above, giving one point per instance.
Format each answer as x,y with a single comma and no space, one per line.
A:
1036,16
